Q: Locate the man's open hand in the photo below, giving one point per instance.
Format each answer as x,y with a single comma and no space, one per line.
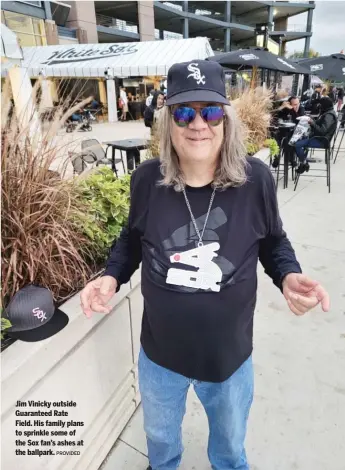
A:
96,295
303,294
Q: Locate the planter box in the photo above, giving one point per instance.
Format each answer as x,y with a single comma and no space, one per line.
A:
92,362
263,155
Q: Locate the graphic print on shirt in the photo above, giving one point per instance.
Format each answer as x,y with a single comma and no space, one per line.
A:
208,275
183,240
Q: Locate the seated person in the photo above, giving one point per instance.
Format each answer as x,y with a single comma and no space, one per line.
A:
294,109
94,104
76,117
291,107
324,126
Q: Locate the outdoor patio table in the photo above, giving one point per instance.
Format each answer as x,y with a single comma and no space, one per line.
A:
127,146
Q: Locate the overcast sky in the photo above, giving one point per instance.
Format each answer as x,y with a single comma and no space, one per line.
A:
328,28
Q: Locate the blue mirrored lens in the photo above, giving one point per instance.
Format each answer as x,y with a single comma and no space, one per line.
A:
184,115
213,115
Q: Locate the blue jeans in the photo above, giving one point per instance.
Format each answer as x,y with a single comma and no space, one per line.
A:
227,406
302,146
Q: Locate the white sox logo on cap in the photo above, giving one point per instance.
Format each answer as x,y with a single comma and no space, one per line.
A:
40,314
196,80
34,315
196,74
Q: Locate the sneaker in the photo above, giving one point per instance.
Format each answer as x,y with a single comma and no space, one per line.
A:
303,167
275,162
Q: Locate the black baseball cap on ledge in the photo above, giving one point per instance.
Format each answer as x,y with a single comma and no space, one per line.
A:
33,315
197,80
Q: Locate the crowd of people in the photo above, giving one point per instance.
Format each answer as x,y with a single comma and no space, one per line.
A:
153,104
317,107
320,118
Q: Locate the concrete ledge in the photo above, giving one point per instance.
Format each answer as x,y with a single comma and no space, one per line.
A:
92,362
263,155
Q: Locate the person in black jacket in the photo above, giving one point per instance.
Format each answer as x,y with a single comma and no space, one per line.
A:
291,108
324,126
201,217
157,103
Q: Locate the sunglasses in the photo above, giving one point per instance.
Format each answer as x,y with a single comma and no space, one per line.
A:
184,115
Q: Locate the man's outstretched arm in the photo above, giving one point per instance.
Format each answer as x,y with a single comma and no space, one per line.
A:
280,263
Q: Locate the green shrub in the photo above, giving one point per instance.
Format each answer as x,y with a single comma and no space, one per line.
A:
272,144
108,198
5,323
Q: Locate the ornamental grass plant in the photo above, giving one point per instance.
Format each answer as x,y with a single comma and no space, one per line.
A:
43,214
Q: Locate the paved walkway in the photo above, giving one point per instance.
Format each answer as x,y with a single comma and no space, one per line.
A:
66,142
297,420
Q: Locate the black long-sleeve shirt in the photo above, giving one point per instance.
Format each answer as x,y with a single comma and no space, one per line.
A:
286,112
198,311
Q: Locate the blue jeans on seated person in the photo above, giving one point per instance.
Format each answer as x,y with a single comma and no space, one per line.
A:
75,117
227,405
303,145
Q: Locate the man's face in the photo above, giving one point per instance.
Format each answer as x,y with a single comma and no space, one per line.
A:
295,104
198,141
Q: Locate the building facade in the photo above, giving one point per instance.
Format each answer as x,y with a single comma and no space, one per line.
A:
229,25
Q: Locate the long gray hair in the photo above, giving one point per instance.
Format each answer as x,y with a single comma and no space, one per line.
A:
231,170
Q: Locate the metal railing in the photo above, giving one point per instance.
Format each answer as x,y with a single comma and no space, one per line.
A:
297,28
66,32
110,22
173,5
215,15
168,35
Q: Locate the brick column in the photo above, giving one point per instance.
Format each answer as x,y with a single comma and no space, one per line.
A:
146,20
51,32
82,36
83,16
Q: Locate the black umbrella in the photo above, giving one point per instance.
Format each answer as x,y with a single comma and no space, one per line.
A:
258,57
329,67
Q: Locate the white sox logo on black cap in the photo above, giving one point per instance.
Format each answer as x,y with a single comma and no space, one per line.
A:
196,80
196,74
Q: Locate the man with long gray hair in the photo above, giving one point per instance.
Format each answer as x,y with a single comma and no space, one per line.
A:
201,218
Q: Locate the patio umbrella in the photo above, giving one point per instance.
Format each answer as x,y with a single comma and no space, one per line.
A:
330,67
258,57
